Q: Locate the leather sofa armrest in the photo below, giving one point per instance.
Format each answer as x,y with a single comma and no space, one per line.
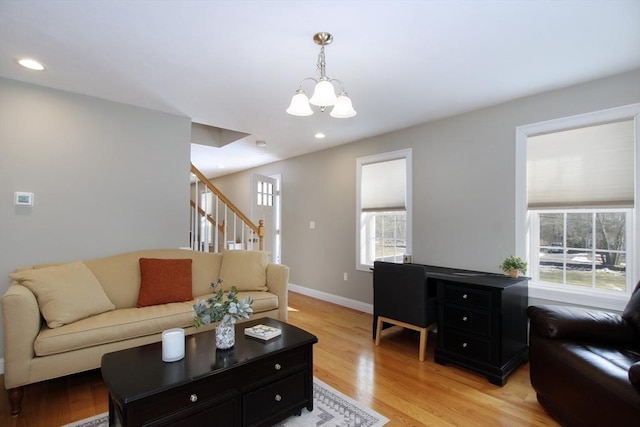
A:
560,322
21,321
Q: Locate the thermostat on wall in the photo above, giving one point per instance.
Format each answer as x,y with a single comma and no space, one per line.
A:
23,199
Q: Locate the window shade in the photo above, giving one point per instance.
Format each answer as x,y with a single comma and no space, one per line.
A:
585,167
383,185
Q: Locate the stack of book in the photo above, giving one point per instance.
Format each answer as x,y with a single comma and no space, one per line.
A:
262,332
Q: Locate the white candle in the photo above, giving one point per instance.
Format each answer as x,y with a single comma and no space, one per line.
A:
172,345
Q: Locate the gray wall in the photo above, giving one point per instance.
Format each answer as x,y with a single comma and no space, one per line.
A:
107,177
463,188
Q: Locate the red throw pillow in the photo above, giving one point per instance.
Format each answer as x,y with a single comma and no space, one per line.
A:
164,280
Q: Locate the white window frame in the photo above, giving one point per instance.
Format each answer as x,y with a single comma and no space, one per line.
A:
362,161
585,297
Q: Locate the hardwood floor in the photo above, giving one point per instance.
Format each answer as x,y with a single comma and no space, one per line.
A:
388,378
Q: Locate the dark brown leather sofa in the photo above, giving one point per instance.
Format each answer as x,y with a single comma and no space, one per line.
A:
585,364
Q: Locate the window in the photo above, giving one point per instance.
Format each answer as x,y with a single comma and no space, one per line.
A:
383,208
577,186
264,193
581,248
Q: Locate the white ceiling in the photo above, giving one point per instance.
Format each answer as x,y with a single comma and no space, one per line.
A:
236,64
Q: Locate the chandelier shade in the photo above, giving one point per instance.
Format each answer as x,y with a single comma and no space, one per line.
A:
324,93
343,108
300,105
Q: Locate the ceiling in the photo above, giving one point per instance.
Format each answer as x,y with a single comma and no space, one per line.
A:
236,64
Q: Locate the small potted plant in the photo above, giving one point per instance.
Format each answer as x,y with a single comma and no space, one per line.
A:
223,307
513,265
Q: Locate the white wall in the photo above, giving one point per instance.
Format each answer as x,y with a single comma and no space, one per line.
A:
464,188
107,177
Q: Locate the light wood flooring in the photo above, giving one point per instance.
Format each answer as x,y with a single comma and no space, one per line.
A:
388,378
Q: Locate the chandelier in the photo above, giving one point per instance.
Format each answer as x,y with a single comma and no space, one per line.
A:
324,94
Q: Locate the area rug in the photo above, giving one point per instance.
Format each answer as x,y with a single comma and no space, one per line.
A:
330,409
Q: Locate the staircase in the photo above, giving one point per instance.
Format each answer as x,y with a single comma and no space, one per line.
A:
216,223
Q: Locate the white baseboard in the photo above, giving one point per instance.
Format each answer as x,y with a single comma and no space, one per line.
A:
335,299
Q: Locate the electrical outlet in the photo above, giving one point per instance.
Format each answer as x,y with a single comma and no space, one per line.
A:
346,277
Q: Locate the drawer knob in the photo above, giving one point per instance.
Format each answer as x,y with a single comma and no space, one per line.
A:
464,345
464,296
278,398
464,318
193,398
278,367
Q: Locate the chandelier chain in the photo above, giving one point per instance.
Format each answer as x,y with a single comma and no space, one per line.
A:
321,63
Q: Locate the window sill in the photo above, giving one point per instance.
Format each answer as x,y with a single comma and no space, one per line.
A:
601,301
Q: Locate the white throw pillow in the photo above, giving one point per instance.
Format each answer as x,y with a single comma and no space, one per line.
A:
65,293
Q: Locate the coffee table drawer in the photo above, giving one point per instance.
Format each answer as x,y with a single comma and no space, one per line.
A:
274,399
198,393
280,364
223,413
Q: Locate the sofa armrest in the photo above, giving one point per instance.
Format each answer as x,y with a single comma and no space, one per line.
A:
560,322
278,283
21,322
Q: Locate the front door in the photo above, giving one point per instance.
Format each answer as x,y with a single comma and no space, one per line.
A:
265,205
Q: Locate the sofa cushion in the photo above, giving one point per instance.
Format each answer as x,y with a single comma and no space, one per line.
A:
262,301
246,270
631,311
117,325
128,323
66,293
164,280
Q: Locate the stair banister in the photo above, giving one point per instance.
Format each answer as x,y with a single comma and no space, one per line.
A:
258,229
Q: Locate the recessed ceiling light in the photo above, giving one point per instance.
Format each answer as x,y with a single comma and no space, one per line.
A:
261,143
31,64
319,135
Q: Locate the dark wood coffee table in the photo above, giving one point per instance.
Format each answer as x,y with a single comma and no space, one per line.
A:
256,383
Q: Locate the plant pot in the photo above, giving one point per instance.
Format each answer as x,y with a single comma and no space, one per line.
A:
514,273
225,336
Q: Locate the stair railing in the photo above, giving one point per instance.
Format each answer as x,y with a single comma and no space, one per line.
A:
216,223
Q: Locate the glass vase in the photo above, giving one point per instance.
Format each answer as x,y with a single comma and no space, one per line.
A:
225,335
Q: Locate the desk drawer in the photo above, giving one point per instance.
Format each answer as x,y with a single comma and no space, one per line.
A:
474,348
277,365
467,296
471,320
277,398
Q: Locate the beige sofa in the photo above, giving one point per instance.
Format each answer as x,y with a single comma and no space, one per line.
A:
60,319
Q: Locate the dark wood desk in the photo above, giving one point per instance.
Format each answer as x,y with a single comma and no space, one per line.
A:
482,319
255,383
